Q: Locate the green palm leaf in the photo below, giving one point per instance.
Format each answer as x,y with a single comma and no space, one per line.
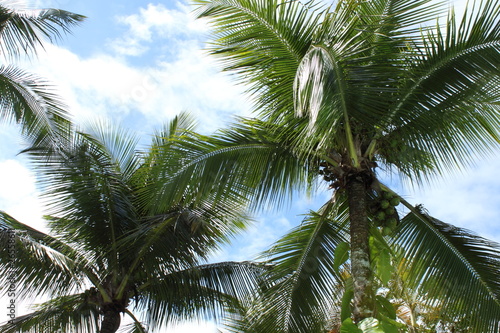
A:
452,93
40,264
199,292
70,313
453,269
24,30
26,98
303,281
241,164
31,101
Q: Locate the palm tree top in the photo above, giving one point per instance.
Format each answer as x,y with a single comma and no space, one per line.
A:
377,81
111,247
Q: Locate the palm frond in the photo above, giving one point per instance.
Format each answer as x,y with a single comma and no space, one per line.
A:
304,284
453,269
263,41
66,313
90,198
175,241
321,93
242,164
29,100
206,292
119,144
22,31
38,263
449,105
135,327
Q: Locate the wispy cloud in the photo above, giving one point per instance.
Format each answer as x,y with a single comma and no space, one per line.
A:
18,194
153,24
111,84
470,199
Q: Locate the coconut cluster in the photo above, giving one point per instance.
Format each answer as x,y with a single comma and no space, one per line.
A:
326,170
385,215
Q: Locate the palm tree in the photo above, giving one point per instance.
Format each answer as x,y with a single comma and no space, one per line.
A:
111,249
351,91
26,98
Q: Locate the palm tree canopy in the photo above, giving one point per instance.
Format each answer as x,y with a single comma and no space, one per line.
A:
110,246
368,74
359,87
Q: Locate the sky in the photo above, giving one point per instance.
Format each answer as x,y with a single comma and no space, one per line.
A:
139,63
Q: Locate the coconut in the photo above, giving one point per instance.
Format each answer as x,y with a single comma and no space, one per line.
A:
384,204
395,201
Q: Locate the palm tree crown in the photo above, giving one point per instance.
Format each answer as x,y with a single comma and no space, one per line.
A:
348,89
112,247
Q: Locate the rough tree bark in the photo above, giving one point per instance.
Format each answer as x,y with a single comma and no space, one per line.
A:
360,254
111,321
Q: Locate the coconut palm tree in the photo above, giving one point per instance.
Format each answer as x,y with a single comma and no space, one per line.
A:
349,91
421,264
26,98
111,250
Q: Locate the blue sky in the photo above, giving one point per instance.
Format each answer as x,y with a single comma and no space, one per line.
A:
140,63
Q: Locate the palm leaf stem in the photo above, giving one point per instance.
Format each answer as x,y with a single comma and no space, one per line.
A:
372,147
342,94
330,160
136,321
156,234
54,243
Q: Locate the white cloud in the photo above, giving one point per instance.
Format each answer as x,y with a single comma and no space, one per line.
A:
470,200
205,327
106,85
18,194
154,24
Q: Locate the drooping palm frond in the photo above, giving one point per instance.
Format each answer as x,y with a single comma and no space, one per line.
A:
87,191
303,281
29,100
25,98
263,42
202,292
22,31
242,164
38,263
356,57
452,269
72,313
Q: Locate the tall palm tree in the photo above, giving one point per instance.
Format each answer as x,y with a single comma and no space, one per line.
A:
111,249
26,98
353,89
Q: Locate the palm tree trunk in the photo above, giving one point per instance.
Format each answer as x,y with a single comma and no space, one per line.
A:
360,253
111,321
